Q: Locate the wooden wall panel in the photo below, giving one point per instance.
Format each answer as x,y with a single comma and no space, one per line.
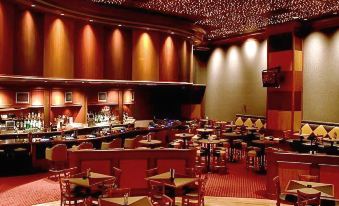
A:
118,54
29,44
6,98
37,97
169,62
58,47
6,38
88,52
185,56
145,56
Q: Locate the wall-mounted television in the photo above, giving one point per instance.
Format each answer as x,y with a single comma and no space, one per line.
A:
271,77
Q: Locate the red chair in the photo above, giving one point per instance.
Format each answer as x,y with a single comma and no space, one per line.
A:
67,198
281,197
152,172
194,171
305,199
119,192
67,173
57,156
116,172
156,192
198,197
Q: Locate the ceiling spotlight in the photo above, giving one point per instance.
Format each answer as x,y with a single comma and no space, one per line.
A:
209,39
33,5
45,81
147,28
62,14
188,37
91,20
295,17
305,19
119,25
83,82
172,32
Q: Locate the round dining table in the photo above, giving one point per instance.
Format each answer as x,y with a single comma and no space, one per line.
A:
185,137
209,143
263,144
231,136
331,141
205,132
151,144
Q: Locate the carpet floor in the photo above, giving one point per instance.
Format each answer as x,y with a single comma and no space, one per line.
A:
36,189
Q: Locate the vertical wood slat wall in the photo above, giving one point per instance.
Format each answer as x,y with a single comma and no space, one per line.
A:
56,46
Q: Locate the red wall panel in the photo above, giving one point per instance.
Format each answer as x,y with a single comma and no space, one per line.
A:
6,38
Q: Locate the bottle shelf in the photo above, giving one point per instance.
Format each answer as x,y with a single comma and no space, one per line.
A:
66,105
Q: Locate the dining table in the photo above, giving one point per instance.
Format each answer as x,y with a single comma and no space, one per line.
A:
88,185
179,181
209,143
330,140
151,144
325,189
231,136
204,132
185,137
131,201
263,144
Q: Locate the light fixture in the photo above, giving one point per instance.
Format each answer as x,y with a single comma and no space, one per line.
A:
83,82
147,28
295,17
33,5
188,37
62,14
119,25
91,20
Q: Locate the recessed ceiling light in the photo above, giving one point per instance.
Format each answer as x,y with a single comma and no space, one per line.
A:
62,14
295,17
172,32
119,25
91,20
188,37
45,81
147,28
305,19
33,5
83,82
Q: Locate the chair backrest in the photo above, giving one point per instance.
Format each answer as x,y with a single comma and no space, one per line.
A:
309,178
59,152
119,192
308,199
116,143
202,186
165,201
67,173
116,172
276,182
152,172
156,188
65,187
85,145
194,171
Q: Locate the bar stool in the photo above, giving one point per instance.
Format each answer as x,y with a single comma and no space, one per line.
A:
252,160
57,157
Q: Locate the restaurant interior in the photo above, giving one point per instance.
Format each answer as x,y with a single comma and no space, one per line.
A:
169,102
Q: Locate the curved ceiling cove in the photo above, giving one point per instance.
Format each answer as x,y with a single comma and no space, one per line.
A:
224,18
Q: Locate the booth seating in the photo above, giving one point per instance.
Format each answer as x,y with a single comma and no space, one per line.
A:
116,143
250,121
132,163
324,129
57,156
83,145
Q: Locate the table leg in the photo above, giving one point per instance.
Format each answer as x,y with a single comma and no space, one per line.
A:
208,157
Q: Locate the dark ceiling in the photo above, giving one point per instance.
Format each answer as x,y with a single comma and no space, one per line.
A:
224,18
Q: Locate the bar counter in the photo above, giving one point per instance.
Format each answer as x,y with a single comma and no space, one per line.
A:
41,140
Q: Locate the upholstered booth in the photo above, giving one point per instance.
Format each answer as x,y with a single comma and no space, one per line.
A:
325,129
250,121
57,156
116,143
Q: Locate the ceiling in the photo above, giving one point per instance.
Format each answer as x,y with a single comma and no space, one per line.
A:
225,18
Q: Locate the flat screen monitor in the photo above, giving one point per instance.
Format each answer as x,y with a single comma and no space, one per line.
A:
271,77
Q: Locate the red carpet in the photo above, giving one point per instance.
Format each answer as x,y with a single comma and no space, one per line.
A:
35,189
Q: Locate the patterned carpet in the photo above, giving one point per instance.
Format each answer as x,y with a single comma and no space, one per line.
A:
36,189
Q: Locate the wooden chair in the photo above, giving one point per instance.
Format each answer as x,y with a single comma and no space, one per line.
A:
281,197
67,173
198,197
119,192
156,192
309,178
116,172
152,172
107,186
305,199
67,198
194,171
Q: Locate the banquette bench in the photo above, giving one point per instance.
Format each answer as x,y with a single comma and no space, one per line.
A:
325,129
132,162
250,121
